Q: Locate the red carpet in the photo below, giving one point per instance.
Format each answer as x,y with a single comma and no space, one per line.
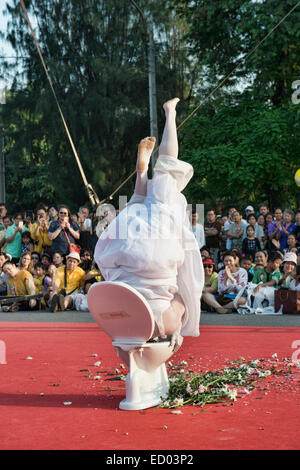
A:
49,398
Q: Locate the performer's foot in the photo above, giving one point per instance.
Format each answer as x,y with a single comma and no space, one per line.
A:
170,106
145,149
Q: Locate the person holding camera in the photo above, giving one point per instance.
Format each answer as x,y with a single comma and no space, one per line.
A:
63,232
13,238
39,231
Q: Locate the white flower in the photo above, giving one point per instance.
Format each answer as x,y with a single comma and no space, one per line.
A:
232,395
189,389
274,355
201,389
97,377
97,363
184,363
67,403
178,401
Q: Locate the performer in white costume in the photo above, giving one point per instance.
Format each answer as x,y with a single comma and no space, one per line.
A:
150,246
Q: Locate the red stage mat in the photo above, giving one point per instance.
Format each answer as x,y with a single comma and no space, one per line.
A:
53,396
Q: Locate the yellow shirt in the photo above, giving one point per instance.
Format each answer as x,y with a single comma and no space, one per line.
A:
41,240
39,287
22,284
74,279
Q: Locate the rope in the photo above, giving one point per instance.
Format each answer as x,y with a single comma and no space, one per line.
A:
92,195
215,89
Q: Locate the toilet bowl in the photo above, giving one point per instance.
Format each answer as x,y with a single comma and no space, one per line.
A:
125,315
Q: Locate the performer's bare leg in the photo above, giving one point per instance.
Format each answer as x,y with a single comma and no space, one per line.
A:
169,142
145,149
172,317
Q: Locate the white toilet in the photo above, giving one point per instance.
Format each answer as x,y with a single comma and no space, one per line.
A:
124,314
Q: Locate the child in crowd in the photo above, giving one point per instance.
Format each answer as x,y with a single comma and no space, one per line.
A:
295,283
270,275
250,244
27,243
247,264
48,279
38,277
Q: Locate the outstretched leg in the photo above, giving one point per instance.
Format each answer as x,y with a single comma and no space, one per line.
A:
169,142
145,149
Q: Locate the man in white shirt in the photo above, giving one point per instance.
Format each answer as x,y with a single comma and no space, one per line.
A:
198,230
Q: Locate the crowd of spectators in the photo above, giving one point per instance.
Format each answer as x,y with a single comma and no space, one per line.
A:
261,248
50,252
47,254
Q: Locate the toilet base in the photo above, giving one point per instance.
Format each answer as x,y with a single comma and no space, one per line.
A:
145,389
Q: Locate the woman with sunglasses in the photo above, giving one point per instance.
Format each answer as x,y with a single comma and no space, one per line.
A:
63,231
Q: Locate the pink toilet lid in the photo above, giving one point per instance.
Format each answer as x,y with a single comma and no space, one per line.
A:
120,311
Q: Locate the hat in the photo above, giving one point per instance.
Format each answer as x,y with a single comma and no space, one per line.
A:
290,256
249,208
74,255
208,261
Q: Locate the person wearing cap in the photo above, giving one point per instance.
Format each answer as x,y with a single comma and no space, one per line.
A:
288,267
249,210
67,282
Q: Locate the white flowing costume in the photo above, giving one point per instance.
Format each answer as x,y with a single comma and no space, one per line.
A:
150,246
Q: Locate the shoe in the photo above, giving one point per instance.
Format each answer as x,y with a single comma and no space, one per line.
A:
54,304
61,302
222,310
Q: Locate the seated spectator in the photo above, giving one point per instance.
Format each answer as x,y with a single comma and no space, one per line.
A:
297,227
63,232
27,242
45,259
13,238
67,281
270,275
38,278
287,270
3,277
250,244
85,227
205,253
86,260
286,227
48,282
58,260
210,282
26,262
35,258
247,264
230,281
92,275
237,233
197,230
19,282
295,283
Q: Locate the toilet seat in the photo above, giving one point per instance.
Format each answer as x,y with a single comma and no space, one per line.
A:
125,315
113,304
